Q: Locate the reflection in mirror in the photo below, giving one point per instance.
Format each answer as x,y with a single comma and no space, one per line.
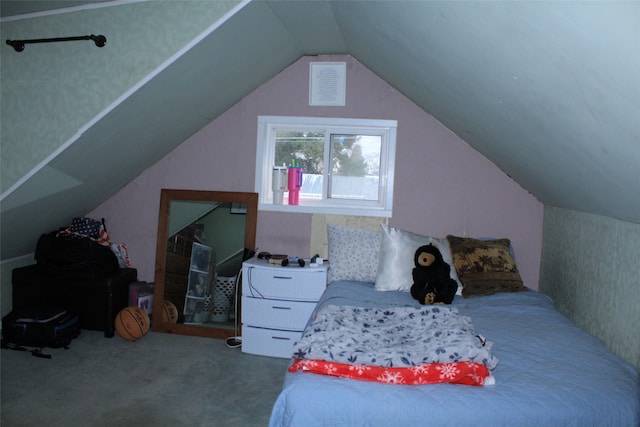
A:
202,236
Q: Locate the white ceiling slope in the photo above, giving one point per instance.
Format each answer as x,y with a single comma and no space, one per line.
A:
548,91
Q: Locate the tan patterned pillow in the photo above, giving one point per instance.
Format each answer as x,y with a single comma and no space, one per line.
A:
484,267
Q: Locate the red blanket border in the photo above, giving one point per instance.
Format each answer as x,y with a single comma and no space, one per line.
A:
469,373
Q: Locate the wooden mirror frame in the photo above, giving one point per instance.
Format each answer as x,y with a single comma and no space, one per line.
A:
166,197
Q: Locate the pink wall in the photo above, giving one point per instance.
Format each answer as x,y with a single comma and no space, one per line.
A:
442,185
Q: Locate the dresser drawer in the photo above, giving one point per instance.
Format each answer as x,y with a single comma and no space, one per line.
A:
278,314
177,263
176,283
269,342
293,283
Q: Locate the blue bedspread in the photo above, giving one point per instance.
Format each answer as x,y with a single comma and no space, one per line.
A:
551,373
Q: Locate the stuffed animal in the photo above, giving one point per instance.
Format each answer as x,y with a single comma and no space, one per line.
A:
431,281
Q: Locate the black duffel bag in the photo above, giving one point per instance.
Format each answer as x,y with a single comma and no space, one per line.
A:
64,255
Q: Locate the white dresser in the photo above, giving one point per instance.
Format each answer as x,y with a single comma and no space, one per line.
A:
276,304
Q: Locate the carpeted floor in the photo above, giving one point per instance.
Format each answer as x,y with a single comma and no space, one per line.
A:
160,380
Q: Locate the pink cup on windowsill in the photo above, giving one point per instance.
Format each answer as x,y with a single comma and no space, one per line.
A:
294,182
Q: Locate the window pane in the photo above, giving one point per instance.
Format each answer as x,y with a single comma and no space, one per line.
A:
307,149
355,167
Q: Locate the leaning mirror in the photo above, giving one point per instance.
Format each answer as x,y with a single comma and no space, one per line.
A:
202,236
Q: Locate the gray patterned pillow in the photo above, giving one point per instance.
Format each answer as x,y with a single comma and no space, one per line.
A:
353,253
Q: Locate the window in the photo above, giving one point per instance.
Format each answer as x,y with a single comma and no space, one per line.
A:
347,164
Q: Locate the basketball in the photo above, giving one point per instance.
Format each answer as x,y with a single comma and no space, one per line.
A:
169,312
132,323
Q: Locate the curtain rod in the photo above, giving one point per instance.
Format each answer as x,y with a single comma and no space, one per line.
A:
18,45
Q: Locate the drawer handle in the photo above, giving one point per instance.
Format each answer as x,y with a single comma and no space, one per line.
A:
283,277
280,308
281,338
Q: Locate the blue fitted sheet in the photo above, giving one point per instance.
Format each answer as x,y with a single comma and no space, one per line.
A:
551,373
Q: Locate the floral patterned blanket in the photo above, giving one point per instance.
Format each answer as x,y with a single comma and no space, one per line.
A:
426,338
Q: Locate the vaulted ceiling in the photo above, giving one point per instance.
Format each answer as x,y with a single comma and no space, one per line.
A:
548,91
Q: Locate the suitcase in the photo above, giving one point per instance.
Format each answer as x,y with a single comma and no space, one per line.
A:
39,326
96,302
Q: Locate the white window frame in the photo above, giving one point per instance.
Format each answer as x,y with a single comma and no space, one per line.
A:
265,154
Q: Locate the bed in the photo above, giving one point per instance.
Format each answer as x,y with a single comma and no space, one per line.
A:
545,370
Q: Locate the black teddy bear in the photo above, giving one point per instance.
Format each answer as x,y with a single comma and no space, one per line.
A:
431,281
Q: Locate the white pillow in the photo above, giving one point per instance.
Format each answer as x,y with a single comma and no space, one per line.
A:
353,253
396,263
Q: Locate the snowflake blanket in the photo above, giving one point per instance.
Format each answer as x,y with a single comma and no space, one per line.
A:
408,345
